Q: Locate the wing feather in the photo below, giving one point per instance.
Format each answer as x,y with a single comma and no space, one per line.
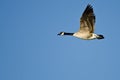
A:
87,21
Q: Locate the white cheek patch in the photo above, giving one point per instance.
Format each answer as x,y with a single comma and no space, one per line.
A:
62,34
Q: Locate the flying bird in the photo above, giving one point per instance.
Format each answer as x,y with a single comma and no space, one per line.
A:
87,24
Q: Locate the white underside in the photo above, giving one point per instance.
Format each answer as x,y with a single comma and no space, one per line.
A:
85,36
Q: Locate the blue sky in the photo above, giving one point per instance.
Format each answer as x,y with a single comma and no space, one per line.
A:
31,50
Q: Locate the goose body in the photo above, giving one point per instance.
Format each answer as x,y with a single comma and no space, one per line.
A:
87,22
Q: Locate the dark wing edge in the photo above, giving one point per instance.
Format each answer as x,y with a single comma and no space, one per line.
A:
87,21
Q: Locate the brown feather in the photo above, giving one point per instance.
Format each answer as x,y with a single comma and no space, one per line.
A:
87,21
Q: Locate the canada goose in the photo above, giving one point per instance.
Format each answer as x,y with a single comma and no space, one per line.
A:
87,23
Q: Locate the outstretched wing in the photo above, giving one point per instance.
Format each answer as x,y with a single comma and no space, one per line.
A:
87,21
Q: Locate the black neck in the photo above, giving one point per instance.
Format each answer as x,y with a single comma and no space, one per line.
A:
65,33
